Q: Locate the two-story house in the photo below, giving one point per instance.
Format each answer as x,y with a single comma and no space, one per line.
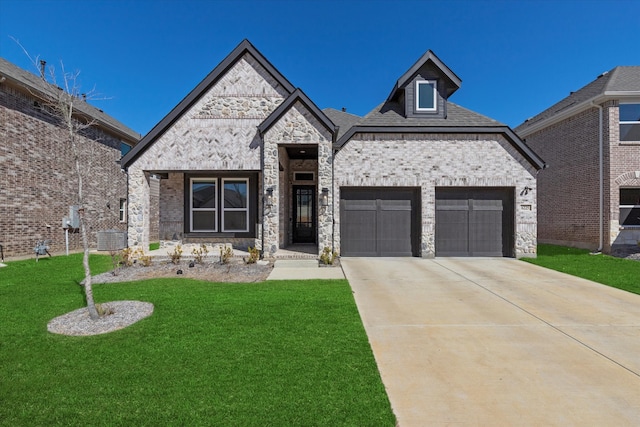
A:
589,196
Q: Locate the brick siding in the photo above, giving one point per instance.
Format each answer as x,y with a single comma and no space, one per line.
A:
38,181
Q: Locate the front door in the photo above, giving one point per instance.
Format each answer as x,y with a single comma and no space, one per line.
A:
304,215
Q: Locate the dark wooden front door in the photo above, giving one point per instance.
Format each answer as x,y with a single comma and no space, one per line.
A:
304,215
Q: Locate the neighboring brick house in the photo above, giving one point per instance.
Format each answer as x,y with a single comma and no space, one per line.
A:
248,159
589,196
37,175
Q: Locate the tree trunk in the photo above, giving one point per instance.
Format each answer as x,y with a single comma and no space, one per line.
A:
88,288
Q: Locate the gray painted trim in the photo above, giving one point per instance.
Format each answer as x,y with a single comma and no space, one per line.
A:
298,95
428,56
517,143
244,47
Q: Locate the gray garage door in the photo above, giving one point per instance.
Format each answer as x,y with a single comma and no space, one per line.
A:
474,222
379,221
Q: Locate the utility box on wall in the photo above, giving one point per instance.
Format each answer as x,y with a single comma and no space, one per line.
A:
112,240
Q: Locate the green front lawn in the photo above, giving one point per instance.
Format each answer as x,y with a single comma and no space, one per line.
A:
605,269
273,353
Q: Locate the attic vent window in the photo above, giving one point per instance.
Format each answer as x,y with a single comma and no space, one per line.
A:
426,95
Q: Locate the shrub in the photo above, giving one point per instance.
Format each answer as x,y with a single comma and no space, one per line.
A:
104,310
226,252
126,257
327,256
254,255
176,255
200,253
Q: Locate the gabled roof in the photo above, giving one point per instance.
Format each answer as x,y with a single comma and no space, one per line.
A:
343,120
297,95
38,87
244,47
388,118
453,81
619,82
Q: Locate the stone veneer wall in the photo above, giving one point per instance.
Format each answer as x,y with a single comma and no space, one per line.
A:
218,133
296,126
38,182
428,161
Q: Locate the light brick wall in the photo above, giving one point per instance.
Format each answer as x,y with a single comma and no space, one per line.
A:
218,133
296,126
428,161
38,181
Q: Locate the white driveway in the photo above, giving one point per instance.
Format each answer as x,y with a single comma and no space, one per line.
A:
499,342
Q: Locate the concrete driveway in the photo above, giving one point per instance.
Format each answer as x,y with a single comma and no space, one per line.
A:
499,342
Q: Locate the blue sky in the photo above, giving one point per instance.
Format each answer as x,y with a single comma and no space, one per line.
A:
515,58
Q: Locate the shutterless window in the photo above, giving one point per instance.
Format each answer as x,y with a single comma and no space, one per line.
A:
235,206
630,206
203,204
426,95
122,213
629,122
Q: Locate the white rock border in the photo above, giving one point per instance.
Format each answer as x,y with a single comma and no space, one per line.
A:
78,322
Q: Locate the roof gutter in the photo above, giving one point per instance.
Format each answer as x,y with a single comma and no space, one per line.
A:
601,175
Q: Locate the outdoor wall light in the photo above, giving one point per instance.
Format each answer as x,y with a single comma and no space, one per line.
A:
269,197
324,197
525,191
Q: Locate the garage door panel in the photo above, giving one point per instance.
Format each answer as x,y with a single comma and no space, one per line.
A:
359,238
473,221
377,222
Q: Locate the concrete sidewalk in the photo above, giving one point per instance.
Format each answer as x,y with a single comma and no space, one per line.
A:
479,342
303,269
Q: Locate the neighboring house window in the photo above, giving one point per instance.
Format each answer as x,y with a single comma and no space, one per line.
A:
426,95
630,206
629,122
203,204
122,213
235,206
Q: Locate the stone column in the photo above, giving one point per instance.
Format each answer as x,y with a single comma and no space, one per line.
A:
138,209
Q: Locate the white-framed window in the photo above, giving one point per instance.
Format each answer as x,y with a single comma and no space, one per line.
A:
426,95
630,206
122,210
203,204
235,204
630,122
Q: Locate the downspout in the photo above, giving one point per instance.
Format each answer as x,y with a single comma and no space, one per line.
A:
333,193
601,174
262,193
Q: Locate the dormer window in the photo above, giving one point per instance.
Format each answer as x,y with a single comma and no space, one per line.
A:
426,93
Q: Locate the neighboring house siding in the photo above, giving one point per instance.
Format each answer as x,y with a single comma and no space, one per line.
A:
38,180
428,161
568,203
218,133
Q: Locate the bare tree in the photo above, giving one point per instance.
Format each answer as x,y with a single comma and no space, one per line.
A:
62,103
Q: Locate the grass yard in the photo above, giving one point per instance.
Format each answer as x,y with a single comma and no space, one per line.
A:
616,272
268,354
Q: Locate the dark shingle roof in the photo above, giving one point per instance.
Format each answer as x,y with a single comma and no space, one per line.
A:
391,114
620,79
34,84
342,119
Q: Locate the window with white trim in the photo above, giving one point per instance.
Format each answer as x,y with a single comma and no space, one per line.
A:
235,204
630,206
203,204
122,210
629,122
426,95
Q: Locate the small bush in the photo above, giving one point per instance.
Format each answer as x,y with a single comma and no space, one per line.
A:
199,254
327,256
254,255
226,252
176,255
126,257
104,310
